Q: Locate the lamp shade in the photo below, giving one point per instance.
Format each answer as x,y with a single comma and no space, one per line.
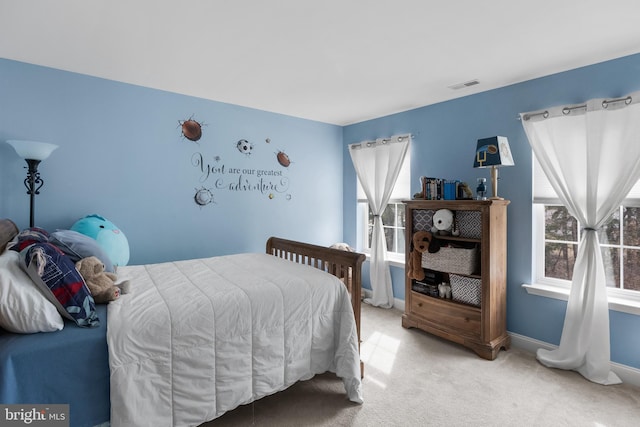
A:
493,151
33,150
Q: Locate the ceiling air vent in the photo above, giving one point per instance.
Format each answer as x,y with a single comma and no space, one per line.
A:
465,84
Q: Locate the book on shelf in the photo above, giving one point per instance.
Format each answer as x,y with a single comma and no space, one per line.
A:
440,189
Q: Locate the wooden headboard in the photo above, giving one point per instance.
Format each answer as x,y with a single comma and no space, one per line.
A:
346,266
8,230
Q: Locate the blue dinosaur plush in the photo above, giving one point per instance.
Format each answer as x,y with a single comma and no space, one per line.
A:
109,237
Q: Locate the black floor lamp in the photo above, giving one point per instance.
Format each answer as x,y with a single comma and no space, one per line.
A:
33,152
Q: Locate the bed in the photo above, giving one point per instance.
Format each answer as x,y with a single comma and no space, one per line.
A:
178,350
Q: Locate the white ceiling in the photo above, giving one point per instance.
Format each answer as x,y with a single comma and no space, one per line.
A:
335,61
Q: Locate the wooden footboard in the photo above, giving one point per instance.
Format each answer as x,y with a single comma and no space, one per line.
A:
346,266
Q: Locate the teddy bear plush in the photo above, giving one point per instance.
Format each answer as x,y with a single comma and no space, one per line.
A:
421,242
102,284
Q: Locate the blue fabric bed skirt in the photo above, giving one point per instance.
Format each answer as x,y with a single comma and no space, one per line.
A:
70,366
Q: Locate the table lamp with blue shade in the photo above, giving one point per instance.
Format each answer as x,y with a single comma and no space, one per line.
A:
493,152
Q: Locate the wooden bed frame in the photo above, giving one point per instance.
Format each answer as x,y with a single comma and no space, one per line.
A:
91,393
347,266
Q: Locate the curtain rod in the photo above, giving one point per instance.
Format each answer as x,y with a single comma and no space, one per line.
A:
566,110
383,140
400,138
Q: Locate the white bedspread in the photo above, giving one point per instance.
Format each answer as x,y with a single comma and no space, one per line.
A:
195,339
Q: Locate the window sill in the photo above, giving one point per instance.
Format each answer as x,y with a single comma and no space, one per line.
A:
394,261
616,303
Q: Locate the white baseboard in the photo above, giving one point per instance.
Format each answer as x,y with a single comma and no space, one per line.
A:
626,373
398,304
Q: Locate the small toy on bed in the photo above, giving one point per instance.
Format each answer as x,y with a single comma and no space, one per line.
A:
102,284
108,236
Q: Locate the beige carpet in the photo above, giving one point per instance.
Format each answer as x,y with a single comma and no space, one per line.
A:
413,378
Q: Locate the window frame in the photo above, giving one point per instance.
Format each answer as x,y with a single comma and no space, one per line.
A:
623,300
363,215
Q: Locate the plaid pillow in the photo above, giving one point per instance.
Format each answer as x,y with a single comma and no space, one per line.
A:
28,237
56,276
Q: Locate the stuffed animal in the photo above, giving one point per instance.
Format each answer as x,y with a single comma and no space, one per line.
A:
421,242
464,187
109,237
444,290
342,246
442,222
101,283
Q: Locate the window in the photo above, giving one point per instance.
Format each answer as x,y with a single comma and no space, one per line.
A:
619,244
393,217
393,224
557,235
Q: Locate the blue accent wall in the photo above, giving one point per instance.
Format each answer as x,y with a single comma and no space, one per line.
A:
122,155
444,143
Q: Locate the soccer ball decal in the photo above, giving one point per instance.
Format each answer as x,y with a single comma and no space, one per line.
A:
203,196
244,146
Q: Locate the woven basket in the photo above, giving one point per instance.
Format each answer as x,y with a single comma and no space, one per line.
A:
451,260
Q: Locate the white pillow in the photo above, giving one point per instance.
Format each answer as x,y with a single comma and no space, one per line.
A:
23,308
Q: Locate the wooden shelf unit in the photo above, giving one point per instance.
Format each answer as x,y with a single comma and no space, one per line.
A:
483,328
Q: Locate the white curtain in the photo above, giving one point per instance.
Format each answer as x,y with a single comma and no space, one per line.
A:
377,164
591,156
